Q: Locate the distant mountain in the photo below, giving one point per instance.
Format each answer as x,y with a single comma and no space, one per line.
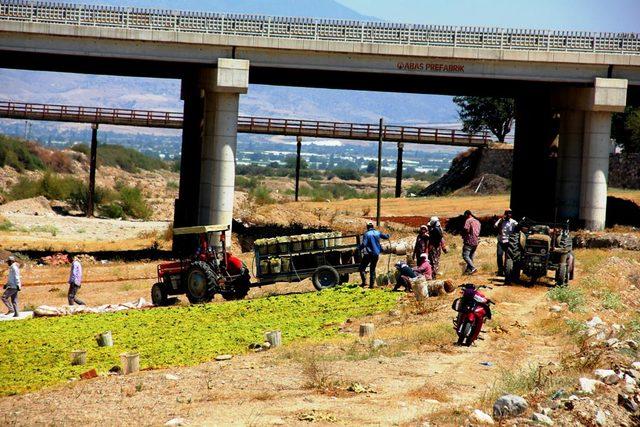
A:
162,94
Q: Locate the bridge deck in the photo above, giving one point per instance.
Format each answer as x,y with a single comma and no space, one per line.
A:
318,29
252,125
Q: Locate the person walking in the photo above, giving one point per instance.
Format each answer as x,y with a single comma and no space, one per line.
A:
436,244
422,243
75,281
505,226
470,240
371,249
12,287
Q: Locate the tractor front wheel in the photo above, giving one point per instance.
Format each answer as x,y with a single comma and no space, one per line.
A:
200,280
159,295
562,275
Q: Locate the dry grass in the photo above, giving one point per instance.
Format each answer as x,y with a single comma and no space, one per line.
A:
318,374
429,391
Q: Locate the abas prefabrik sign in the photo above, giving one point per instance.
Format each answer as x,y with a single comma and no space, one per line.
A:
430,66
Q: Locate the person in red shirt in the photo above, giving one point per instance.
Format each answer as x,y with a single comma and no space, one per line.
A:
422,243
470,240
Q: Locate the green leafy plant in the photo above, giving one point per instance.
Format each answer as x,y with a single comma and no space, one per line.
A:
39,348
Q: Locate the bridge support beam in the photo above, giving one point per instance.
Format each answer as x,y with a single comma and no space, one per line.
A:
534,163
298,161
399,170
209,143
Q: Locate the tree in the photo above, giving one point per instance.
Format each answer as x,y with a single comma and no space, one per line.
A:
372,166
290,162
481,113
625,129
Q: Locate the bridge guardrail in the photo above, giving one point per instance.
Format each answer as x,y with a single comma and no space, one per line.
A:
319,29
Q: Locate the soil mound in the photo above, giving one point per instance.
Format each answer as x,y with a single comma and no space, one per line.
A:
38,206
461,172
622,212
486,184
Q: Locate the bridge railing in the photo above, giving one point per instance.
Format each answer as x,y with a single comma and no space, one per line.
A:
318,29
362,131
71,113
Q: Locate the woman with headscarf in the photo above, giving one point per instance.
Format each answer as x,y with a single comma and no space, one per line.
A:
436,244
422,243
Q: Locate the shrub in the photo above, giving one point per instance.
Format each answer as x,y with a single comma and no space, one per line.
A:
79,197
6,225
345,174
18,154
51,186
132,202
125,158
261,195
573,297
246,183
112,210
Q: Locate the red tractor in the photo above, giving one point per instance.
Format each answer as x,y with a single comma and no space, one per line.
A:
208,270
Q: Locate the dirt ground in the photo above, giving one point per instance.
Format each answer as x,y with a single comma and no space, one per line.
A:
280,387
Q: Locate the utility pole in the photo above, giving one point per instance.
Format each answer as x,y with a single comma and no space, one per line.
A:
399,170
298,149
92,169
379,191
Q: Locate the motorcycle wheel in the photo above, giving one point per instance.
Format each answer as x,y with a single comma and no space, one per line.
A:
464,337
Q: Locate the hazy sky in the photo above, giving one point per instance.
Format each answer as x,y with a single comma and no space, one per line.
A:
585,15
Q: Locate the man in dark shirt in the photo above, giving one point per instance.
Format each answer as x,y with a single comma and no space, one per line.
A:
405,274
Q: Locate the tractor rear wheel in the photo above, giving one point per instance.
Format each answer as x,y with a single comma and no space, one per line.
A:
325,277
200,280
159,295
511,271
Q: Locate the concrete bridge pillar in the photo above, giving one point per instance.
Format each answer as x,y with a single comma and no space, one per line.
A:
207,175
569,174
606,97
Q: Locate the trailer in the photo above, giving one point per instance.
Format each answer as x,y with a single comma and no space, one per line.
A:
326,258
207,268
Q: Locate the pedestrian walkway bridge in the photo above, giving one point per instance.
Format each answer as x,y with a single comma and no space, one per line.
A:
252,125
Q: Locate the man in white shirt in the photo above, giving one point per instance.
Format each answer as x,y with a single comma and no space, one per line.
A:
12,287
505,226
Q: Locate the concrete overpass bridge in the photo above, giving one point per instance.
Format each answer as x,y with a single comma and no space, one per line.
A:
565,84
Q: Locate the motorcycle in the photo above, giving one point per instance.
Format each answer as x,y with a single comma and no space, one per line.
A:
473,308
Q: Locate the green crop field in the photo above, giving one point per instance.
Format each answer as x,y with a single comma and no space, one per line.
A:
35,353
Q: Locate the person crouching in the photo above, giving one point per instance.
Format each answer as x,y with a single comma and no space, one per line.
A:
405,275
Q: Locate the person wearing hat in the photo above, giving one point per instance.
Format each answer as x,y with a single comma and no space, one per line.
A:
12,287
505,226
436,244
470,240
424,267
422,243
405,274
371,249
75,281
